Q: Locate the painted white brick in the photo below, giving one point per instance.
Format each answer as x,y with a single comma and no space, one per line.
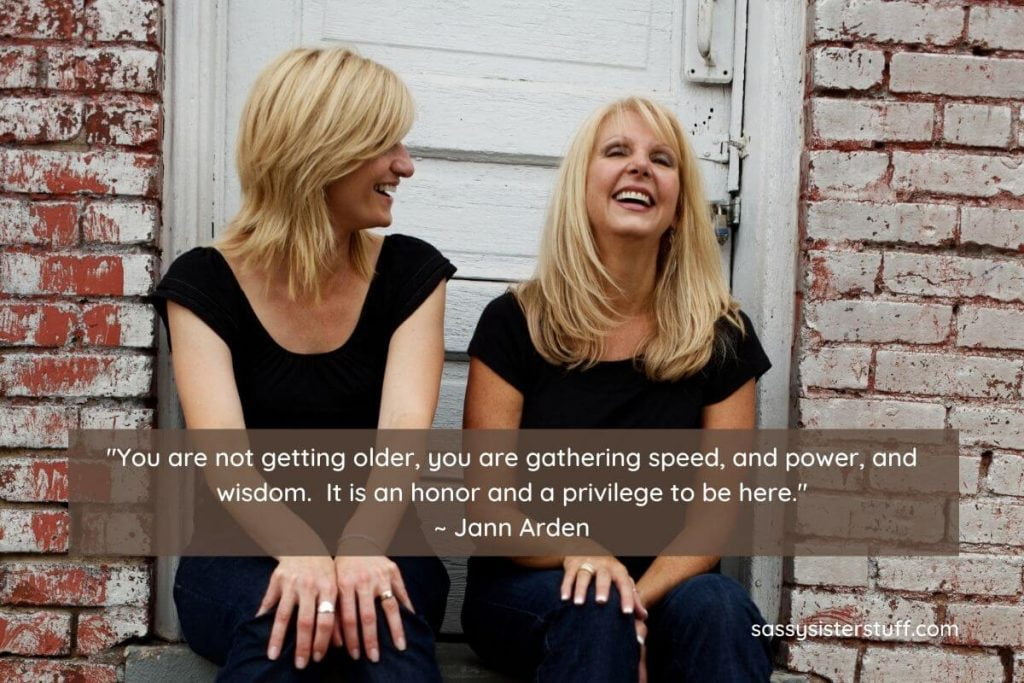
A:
987,624
968,575
22,273
999,28
98,631
872,120
127,324
990,328
811,607
880,321
882,22
137,21
957,75
65,172
988,426
1018,668
846,69
31,374
946,374
1002,228
34,427
830,571
970,472
1006,475
998,523
102,69
836,367
831,661
843,413
99,417
913,223
953,276
930,664
837,273
977,125
119,222
19,67
849,175
955,174
40,119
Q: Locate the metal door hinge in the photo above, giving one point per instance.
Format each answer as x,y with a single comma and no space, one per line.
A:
725,218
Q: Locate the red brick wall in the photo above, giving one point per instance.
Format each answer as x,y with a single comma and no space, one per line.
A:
80,181
912,315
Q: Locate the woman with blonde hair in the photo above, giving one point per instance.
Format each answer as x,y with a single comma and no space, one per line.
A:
299,317
628,322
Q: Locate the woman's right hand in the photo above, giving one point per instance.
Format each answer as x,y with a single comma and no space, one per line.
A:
301,583
606,571
361,580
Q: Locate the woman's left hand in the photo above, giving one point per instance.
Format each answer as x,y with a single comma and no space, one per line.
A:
361,581
605,571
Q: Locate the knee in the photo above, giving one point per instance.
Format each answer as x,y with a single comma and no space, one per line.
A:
597,620
710,600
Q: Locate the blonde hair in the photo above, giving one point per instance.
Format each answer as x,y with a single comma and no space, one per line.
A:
569,304
312,117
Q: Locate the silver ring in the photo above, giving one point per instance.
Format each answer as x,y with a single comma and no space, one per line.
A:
587,567
387,595
325,607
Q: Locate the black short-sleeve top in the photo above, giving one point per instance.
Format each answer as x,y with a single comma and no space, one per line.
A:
611,393
282,389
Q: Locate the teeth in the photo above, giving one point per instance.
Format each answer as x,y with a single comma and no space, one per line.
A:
386,189
632,194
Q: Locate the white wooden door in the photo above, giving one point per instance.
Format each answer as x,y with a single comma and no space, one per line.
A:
500,86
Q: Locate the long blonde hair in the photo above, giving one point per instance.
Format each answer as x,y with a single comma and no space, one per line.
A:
569,301
312,117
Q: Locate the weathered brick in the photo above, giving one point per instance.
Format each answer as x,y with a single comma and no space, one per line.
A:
30,374
957,75
836,368
970,472
945,374
102,630
842,413
100,417
19,67
103,69
861,221
986,522
883,22
119,222
34,480
998,28
977,125
988,426
849,175
990,328
37,324
879,321
889,519
831,661
131,325
812,607
63,172
953,276
930,664
39,119
39,19
49,582
968,575
846,69
955,174
122,121
1002,228
44,223
836,273
987,624
1018,668
34,531
137,21
830,571
1006,475
35,633
871,120
56,670
112,275
34,427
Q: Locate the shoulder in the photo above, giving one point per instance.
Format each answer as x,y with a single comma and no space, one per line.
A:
410,270
403,251
504,311
199,266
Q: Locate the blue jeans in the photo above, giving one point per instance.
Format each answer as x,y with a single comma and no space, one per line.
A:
516,622
217,599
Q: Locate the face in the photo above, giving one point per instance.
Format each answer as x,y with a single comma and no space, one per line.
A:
363,198
632,181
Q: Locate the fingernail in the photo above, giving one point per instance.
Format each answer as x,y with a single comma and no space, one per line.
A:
627,610
354,654
565,596
300,662
317,656
273,652
578,600
374,655
400,643
601,599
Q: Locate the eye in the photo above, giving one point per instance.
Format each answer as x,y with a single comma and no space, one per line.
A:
615,150
663,159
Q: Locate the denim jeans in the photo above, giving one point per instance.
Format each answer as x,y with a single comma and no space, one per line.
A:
516,621
217,599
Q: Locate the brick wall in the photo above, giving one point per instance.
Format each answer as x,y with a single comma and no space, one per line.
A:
912,315
80,130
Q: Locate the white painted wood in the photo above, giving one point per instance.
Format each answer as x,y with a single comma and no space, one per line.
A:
453,391
466,301
709,46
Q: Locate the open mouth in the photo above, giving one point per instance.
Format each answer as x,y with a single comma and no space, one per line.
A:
385,190
634,197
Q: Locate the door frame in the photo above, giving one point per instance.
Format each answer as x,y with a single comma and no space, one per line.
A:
196,46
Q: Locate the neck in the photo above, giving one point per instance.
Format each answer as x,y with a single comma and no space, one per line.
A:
633,266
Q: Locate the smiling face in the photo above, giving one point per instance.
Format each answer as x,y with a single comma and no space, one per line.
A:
632,180
362,199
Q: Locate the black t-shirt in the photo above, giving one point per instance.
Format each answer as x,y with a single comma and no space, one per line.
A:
612,393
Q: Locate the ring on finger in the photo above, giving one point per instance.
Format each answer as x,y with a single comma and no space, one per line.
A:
387,595
325,607
587,567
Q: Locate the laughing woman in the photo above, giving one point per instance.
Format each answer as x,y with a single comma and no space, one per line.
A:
301,318
627,323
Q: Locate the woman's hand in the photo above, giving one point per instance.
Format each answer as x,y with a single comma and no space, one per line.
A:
360,581
304,583
605,571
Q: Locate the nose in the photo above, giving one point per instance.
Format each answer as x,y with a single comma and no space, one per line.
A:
401,164
639,165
